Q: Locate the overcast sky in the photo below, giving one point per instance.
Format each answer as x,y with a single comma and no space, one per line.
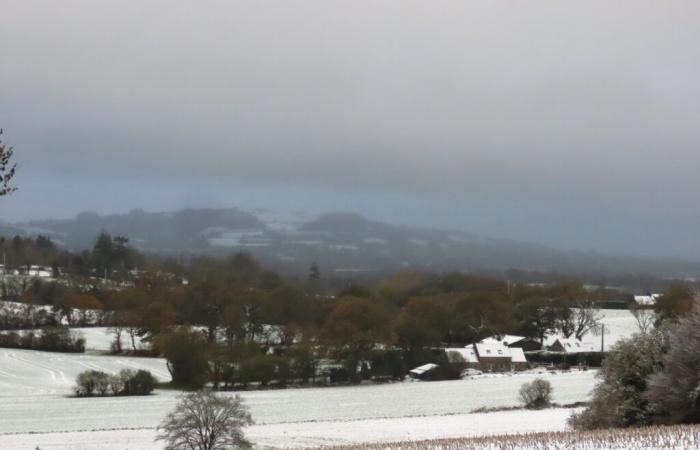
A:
570,123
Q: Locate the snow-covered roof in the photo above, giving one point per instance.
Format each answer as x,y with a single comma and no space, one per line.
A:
468,353
507,339
515,354
423,369
576,346
492,350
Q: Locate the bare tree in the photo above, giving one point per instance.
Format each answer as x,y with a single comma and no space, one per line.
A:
586,317
116,330
204,421
582,316
645,317
7,169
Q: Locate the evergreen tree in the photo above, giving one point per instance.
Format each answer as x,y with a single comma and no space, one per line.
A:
7,168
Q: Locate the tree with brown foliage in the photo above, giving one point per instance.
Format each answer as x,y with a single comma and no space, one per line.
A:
475,316
354,328
187,357
676,301
421,324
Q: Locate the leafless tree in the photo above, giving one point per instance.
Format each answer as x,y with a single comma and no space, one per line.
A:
116,330
586,317
582,316
645,317
203,420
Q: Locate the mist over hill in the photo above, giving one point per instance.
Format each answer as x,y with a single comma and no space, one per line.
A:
341,243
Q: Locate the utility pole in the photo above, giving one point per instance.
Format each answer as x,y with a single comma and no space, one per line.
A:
602,338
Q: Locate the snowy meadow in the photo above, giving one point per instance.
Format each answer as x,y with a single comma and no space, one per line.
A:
37,407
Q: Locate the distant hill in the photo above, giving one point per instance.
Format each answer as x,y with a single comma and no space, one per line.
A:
341,243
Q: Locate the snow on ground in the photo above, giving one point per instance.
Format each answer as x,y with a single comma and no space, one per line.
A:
619,324
35,389
311,434
36,407
100,339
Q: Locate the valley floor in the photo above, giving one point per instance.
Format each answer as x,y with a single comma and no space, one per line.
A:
313,434
36,407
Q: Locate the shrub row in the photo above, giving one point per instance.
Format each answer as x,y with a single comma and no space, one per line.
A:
48,339
94,382
591,359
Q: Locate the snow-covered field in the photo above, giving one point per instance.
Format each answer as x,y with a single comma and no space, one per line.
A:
313,434
36,407
619,324
100,339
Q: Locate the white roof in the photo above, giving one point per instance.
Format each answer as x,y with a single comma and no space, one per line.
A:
500,351
467,353
492,350
424,368
576,346
506,339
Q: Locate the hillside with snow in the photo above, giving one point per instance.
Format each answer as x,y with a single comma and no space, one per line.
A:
341,243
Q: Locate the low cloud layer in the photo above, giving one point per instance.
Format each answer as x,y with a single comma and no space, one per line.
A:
574,124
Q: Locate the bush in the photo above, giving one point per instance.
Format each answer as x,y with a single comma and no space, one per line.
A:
259,368
139,383
188,359
128,382
338,375
591,359
618,399
86,383
50,339
536,395
674,392
388,365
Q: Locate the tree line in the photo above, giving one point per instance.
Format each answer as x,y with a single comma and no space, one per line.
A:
231,322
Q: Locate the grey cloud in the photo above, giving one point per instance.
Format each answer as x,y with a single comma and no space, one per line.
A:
570,123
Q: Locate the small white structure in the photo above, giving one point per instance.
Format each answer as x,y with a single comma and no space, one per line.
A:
40,271
421,371
646,300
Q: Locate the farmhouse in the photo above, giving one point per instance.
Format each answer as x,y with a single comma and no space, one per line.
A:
490,357
500,358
